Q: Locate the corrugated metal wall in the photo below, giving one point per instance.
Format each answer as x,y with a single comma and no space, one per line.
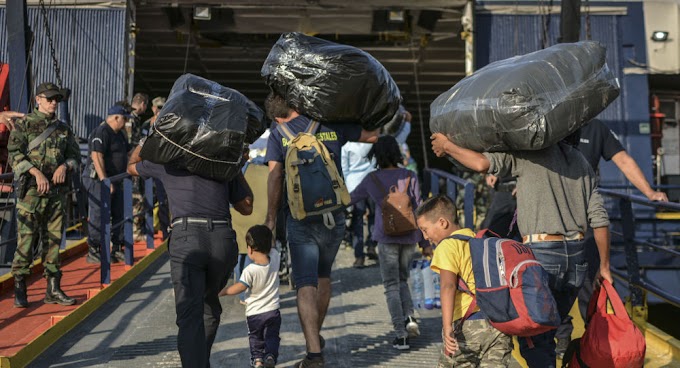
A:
501,36
90,48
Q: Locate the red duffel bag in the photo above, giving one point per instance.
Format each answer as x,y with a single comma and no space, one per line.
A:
610,340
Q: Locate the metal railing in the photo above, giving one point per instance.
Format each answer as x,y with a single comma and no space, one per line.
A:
635,281
76,216
452,182
127,222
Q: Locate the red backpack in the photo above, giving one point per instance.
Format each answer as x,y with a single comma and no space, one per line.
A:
511,287
610,340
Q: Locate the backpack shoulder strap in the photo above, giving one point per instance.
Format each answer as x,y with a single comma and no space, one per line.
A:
459,237
312,127
378,183
408,182
283,129
37,141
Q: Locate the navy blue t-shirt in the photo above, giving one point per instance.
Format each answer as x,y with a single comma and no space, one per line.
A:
113,146
333,136
597,140
193,196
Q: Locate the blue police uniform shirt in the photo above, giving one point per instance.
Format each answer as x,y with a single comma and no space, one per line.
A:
193,196
333,136
113,146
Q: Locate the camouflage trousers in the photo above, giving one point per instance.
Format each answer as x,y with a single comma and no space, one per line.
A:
39,219
479,345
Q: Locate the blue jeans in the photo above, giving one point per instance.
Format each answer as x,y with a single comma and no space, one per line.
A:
313,248
395,260
565,262
358,211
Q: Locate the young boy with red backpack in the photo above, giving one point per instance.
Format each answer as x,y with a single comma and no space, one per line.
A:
475,342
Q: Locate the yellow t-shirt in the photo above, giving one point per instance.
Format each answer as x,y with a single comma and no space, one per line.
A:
454,255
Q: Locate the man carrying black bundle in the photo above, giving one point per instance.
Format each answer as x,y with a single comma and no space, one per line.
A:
202,249
313,241
557,200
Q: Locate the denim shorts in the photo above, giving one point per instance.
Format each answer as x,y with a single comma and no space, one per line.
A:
313,248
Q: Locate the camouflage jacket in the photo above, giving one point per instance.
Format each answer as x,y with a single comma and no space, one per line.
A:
59,148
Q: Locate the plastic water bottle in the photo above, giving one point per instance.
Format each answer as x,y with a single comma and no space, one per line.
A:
428,285
417,280
437,291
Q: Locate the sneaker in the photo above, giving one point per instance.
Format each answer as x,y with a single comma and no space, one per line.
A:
310,363
117,256
401,343
92,258
257,362
358,262
561,348
269,361
412,327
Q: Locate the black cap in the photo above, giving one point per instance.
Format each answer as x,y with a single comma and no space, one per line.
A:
49,90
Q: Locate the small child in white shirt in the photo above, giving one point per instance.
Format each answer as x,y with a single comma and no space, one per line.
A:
260,280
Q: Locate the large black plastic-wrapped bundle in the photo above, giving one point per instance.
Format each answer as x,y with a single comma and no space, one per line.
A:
204,128
527,102
330,82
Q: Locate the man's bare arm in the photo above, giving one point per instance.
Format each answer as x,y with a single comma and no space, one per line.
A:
274,192
134,160
632,171
98,161
476,161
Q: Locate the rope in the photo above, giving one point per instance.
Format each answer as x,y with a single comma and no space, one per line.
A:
186,53
586,5
193,153
516,28
46,24
420,110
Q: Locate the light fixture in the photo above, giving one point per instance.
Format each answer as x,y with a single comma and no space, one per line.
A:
396,16
202,13
659,36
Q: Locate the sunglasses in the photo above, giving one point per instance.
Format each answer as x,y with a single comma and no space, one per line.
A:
52,99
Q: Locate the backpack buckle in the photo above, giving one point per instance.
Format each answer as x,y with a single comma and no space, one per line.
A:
336,185
296,188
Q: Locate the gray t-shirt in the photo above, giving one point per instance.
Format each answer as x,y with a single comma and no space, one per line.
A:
263,285
556,190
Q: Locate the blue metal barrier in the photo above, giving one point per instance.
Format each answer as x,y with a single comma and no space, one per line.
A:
127,221
636,283
452,181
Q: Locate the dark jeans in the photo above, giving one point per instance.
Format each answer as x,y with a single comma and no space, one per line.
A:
202,257
94,192
358,211
586,291
565,262
263,334
163,207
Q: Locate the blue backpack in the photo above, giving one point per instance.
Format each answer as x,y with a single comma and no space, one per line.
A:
511,286
314,184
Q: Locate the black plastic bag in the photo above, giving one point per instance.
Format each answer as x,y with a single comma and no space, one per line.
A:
204,128
330,82
527,102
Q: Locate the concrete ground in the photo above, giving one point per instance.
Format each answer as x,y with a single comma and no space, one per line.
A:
137,329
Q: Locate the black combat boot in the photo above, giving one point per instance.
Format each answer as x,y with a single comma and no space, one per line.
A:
54,294
20,297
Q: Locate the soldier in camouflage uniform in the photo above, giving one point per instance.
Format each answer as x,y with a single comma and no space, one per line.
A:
40,206
140,102
482,198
